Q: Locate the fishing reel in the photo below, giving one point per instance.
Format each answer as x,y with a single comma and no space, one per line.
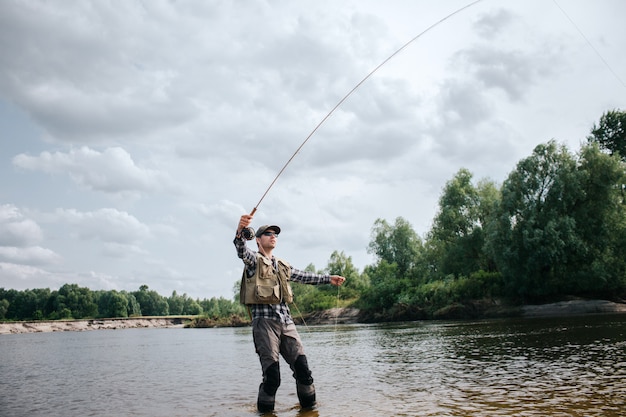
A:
248,233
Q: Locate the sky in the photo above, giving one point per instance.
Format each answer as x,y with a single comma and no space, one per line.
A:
134,134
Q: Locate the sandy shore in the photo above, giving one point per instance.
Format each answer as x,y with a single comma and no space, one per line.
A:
95,324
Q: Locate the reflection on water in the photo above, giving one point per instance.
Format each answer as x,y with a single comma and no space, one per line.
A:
538,367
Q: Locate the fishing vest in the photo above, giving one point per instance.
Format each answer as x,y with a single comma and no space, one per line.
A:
267,285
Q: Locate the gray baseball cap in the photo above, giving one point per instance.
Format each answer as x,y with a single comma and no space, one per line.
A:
266,227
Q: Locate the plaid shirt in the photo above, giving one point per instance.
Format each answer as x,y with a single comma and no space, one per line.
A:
280,311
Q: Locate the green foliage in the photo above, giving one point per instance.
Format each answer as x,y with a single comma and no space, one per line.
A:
559,223
355,284
4,307
305,296
386,287
183,305
533,234
309,298
151,303
610,133
222,307
27,304
397,244
434,295
441,293
133,308
601,222
78,300
74,302
112,304
456,241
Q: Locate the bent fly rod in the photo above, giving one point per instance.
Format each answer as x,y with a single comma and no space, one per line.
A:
249,232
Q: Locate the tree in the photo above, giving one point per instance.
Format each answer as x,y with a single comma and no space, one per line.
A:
397,244
112,304
386,286
150,302
399,253
601,223
133,307
79,301
221,307
455,242
183,304
176,303
534,236
191,306
23,306
610,133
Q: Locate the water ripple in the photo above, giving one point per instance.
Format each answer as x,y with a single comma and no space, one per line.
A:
564,367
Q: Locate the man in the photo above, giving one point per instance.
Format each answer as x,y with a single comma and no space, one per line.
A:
265,289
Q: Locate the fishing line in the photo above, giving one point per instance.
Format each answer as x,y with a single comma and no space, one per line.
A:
306,326
337,310
344,98
248,233
333,238
590,44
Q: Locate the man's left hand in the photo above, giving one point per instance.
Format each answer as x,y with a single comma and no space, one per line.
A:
337,280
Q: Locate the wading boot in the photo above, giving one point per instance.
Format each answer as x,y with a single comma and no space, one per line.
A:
265,402
306,395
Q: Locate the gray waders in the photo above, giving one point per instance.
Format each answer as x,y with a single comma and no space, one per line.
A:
273,339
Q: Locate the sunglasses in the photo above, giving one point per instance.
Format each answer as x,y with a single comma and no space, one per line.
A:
270,234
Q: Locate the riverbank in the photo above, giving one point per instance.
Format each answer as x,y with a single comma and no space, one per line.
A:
481,309
331,316
93,324
573,307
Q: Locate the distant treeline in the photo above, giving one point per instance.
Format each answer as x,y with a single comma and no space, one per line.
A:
556,227
74,302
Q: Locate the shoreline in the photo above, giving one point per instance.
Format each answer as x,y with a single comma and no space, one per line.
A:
42,326
331,316
573,307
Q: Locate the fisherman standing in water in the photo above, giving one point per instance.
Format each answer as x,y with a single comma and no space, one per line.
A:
265,289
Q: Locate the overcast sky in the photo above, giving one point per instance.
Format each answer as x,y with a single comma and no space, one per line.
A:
135,133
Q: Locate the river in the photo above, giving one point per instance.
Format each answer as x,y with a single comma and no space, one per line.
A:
574,366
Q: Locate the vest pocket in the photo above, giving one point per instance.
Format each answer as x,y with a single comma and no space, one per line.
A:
268,294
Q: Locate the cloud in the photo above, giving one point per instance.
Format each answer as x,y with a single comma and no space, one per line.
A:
500,61
21,277
24,276
146,128
119,250
222,210
495,23
19,238
33,255
112,171
513,72
106,224
16,229
99,76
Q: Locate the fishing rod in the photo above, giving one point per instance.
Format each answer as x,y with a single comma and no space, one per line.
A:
248,232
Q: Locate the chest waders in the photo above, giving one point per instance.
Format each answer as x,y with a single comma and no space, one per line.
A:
270,285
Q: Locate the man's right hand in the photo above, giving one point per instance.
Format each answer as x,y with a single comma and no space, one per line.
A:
244,222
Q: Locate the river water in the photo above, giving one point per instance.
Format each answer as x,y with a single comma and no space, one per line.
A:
524,367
